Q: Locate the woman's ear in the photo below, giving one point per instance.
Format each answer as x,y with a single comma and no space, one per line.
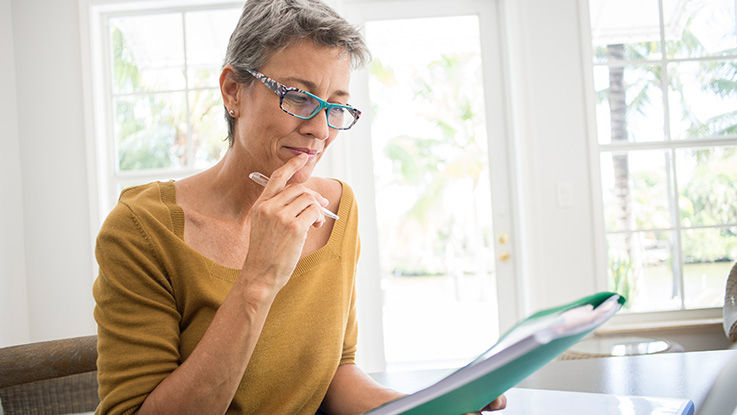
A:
230,89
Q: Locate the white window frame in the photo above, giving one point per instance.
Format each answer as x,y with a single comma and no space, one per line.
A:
101,154
633,320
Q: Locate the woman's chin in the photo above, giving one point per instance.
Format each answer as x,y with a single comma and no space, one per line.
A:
302,175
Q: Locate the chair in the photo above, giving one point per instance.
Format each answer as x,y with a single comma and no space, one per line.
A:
730,306
52,377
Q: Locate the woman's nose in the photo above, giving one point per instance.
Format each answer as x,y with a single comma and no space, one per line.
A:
317,126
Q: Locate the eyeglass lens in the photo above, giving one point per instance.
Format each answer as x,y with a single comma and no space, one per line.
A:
305,106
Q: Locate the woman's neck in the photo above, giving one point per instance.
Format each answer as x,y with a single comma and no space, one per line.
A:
223,191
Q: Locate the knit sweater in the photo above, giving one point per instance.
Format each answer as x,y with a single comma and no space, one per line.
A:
155,297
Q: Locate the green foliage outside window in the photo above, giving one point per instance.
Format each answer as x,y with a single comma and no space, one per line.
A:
151,127
621,277
146,125
434,163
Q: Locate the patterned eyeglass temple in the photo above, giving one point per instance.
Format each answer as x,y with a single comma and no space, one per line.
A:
279,89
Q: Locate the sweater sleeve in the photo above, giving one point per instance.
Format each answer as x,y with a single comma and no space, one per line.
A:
350,337
136,314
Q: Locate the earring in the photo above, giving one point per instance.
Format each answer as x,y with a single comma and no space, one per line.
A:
232,113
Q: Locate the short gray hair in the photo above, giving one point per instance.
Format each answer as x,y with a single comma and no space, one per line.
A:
267,26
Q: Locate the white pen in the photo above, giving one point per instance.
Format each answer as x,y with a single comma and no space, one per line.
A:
262,180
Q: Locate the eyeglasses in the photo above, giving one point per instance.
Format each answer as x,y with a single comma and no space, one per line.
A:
304,105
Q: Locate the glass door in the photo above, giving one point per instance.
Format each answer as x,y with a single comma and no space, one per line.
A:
440,244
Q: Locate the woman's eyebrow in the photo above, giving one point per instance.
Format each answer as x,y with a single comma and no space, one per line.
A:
309,85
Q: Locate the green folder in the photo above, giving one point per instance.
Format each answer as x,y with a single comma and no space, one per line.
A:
522,350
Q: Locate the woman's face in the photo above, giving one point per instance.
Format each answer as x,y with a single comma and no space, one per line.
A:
265,136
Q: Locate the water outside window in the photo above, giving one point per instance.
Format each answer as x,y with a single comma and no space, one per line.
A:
432,191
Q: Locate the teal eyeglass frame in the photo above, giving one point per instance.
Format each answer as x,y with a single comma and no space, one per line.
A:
281,90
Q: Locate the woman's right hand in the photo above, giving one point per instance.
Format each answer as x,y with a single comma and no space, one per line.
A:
279,221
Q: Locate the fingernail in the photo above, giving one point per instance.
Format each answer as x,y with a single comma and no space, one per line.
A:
324,201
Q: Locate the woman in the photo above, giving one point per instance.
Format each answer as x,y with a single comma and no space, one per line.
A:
218,295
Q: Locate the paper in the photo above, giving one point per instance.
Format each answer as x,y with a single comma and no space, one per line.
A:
548,402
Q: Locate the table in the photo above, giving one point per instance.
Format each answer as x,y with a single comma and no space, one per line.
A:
622,346
686,375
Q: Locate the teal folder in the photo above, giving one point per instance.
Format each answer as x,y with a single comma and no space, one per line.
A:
522,350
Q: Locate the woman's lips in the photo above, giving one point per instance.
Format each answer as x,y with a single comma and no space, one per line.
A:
299,150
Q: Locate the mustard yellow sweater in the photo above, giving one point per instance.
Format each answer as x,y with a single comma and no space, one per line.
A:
155,297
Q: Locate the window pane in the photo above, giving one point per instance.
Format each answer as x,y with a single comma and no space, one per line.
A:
207,38
209,128
707,182
696,28
148,53
702,98
432,190
633,25
629,103
635,190
708,256
204,76
151,131
641,269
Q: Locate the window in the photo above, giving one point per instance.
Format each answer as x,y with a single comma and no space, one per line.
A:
665,75
165,112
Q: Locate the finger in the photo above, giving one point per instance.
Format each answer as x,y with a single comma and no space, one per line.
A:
292,192
319,222
311,216
281,176
496,404
310,204
297,206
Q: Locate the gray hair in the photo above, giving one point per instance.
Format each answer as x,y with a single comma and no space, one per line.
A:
267,26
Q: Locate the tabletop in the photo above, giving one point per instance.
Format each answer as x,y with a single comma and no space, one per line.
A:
686,375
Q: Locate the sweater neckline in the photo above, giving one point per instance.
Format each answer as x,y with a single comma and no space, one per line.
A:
331,249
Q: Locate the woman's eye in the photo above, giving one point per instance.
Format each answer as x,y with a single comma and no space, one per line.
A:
297,99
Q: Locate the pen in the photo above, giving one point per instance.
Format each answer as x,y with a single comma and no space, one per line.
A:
262,180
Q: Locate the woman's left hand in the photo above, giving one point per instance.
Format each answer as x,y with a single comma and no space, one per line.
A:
497,404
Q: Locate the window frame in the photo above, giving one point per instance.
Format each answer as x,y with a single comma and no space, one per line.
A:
665,318
105,177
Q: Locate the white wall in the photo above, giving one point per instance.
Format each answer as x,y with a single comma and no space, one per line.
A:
551,143
55,207
13,297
